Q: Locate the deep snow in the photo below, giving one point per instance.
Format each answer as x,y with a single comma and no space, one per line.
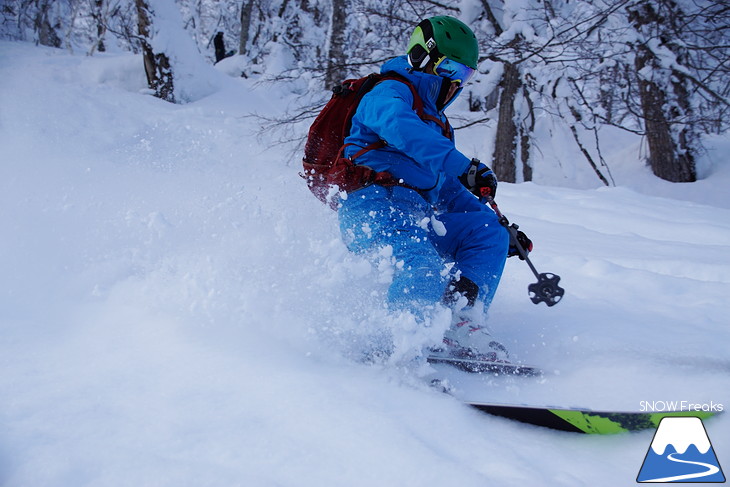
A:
177,309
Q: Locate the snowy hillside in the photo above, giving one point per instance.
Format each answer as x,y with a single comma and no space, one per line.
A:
177,310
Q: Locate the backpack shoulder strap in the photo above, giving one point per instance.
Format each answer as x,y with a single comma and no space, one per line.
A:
418,103
368,85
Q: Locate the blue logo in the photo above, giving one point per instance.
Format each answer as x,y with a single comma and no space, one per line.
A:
680,452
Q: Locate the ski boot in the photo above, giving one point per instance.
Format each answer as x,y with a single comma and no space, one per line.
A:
466,340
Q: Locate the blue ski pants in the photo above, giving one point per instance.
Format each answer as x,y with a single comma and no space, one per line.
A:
423,241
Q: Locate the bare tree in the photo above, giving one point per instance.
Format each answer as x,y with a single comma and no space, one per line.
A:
505,145
156,64
664,94
97,13
246,9
337,59
46,31
514,127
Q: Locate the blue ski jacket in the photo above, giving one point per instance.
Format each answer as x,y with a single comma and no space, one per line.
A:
417,153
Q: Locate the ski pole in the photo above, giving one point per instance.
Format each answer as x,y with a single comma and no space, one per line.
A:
546,289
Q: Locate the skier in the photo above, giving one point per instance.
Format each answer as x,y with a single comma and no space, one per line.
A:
432,216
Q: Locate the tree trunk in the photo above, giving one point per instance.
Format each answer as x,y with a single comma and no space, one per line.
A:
98,16
526,129
47,35
246,9
664,100
669,158
504,159
505,144
220,47
336,61
156,65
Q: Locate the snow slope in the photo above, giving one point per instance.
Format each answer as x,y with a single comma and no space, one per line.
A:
176,309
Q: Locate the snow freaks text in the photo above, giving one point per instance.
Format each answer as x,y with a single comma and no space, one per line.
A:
662,406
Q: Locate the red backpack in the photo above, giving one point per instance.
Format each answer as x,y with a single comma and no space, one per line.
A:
326,170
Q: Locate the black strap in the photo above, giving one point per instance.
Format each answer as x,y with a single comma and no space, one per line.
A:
427,29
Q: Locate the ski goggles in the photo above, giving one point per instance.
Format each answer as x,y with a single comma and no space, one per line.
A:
453,70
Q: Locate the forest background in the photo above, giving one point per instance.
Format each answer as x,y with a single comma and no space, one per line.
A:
655,68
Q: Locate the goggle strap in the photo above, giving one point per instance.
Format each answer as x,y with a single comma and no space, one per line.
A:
436,63
428,37
429,40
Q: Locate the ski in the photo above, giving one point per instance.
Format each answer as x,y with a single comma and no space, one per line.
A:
487,367
470,381
579,420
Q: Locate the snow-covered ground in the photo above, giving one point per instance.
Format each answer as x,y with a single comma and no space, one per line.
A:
177,310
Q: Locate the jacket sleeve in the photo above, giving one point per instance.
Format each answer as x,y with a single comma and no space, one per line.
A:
455,198
387,110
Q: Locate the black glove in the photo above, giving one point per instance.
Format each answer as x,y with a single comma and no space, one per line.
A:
479,179
524,242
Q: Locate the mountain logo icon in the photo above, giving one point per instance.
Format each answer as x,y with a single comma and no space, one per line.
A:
680,452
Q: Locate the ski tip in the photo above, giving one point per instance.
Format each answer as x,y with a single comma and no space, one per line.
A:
582,420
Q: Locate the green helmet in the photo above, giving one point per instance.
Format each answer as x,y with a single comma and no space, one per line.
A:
442,36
